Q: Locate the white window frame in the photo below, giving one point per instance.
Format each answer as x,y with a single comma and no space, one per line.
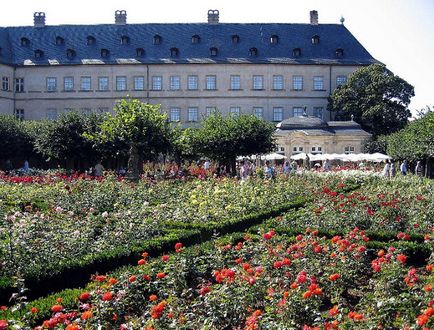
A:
210,110
19,85
316,149
192,114
157,83
51,84
68,84
85,83
349,149
277,114
103,83
211,82
297,83
258,82
175,115
258,112
192,83
278,82
139,83
235,82
5,84
175,83
297,149
52,114
318,83
19,114
121,83
297,111
235,111
341,80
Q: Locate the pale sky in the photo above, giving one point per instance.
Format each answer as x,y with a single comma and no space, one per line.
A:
399,33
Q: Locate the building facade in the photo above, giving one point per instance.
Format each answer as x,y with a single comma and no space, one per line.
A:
275,71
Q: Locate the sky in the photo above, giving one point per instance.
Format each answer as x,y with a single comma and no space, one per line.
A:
398,33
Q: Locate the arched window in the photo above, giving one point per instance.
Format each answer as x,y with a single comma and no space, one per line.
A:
195,39
213,51
60,41
253,52
174,52
235,39
157,39
90,40
315,40
296,52
105,52
140,52
39,53
70,53
339,52
25,41
274,39
125,40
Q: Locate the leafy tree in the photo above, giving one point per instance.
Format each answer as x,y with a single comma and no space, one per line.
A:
16,141
224,138
182,144
376,98
142,127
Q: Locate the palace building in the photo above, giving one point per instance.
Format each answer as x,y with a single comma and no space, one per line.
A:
272,70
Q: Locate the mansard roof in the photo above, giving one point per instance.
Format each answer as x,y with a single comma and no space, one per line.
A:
275,43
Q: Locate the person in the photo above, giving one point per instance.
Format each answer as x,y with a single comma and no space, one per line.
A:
386,169
206,165
293,166
418,170
26,166
286,168
392,170
99,169
403,167
327,166
268,170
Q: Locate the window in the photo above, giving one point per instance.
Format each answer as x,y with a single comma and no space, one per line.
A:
68,84
157,40
25,42
296,52
235,39
39,53
316,150
258,112
253,52
90,40
274,40
60,41
70,54
5,83
317,112
140,52
19,85
297,83
174,52
66,110
278,82
280,149
105,52
193,114
211,83
51,114
139,83
349,150
195,39
103,83
297,111
192,82
339,52
175,83
175,114
235,82
19,114
297,149
315,40
157,83
125,40
341,80
210,111
235,111
277,114
51,84
258,82
121,83
85,84
318,83
213,51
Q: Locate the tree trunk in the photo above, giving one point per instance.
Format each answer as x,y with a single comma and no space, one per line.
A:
133,164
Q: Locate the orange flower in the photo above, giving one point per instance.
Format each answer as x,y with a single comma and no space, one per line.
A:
333,311
141,262
59,300
161,275
86,315
334,277
401,258
107,296
34,310
112,281
132,278
100,278
422,320
429,267
153,297
307,294
428,288
84,296
56,308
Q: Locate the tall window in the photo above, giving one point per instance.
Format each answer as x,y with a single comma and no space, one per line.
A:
192,83
121,83
210,110
19,85
277,114
297,111
51,84
139,83
349,150
211,82
68,84
19,114
258,112
297,83
175,114
175,83
51,114
258,82
5,83
235,82
235,111
316,150
157,83
297,149
86,83
278,82
340,80
103,83
318,112
193,114
318,83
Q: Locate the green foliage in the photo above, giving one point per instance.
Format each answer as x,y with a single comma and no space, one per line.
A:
16,140
376,98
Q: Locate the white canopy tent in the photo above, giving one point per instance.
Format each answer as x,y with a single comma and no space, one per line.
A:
299,156
273,156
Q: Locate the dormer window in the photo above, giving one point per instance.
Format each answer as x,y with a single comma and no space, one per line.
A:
157,39
296,52
140,52
91,40
339,52
195,39
60,41
105,52
213,51
39,53
235,39
70,53
125,40
274,39
25,42
174,52
315,40
253,52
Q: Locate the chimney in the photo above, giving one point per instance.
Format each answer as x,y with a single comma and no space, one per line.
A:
120,17
39,19
313,17
213,16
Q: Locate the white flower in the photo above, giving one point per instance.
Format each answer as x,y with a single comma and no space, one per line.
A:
104,214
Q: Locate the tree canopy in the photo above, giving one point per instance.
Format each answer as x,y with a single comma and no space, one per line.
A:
376,98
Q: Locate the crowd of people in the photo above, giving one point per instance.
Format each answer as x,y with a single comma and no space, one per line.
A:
389,169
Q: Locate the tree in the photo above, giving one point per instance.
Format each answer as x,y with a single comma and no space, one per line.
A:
224,138
142,127
16,142
376,98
